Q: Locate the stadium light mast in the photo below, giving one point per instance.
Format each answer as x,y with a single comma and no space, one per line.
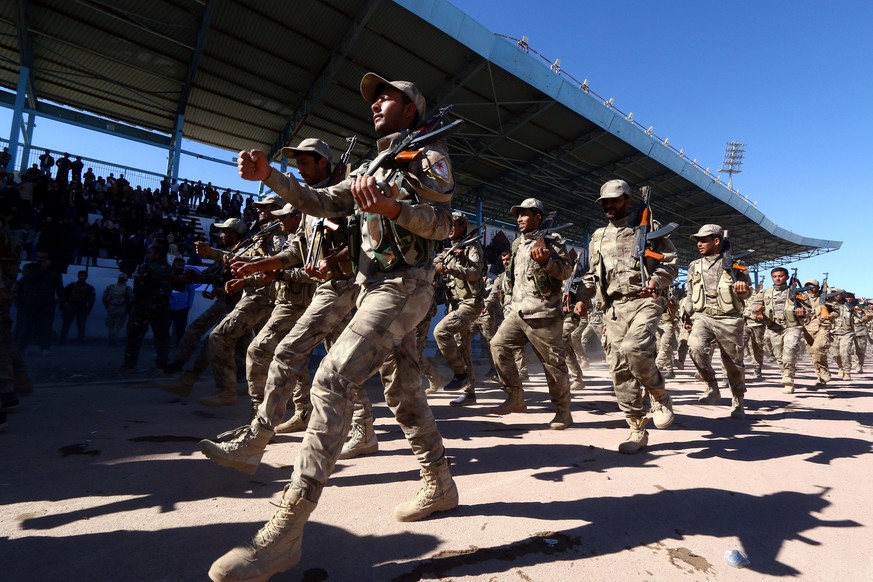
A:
733,160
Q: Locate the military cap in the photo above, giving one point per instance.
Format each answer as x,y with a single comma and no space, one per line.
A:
371,82
531,203
708,230
234,224
614,189
271,199
309,145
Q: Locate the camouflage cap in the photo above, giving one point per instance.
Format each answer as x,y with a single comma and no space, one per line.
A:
811,282
614,189
270,199
234,224
531,203
708,230
309,145
371,82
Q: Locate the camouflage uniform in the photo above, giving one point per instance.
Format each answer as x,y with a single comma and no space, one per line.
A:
151,307
817,338
843,346
498,298
535,316
249,314
784,332
486,323
117,299
464,291
631,319
667,342
717,314
861,332
753,337
572,337
396,292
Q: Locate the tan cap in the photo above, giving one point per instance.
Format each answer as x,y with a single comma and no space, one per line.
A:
271,199
371,82
309,145
614,189
285,211
812,282
528,203
708,230
234,224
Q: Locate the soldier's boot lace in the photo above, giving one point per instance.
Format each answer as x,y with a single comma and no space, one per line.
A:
362,441
438,493
638,437
296,423
243,451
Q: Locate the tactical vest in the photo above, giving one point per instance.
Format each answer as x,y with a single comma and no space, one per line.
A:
118,295
545,284
459,289
391,245
726,300
770,313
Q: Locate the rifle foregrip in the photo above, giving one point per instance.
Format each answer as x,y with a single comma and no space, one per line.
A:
650,254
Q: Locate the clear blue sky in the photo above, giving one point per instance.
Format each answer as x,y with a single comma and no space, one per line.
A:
791,80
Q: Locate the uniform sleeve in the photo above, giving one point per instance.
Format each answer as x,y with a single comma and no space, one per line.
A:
668,267
471,268
559,265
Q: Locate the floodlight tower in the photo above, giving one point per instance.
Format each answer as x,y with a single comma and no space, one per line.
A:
733,160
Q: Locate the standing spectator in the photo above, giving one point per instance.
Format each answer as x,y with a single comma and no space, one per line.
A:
117,299
181,300
90,180
76,168
63,165
46,163
151,308
77,302
5,158
39,289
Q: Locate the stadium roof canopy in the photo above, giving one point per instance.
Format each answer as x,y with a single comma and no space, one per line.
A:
240,74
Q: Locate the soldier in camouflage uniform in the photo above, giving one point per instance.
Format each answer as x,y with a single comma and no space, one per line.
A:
667,342
118,300
817,323
843,328
462,269
249,314
753,338
151,308
716,297
486,325
498,301
632,308
537,269
573,328
782,320
861,331
396,275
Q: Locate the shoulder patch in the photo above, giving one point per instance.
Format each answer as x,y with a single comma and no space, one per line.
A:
438,168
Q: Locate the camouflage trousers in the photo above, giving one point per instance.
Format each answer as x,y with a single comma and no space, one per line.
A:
259,354
380,337
667,344
548,345
727,333
572,337
785,347
860,350
486,325
453,337
818,349
842,349
195,331
753,342
631,347
115,320
143,315
288,373
247,316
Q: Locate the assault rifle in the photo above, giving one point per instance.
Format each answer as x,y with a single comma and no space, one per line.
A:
571,285
471,237
824,312
411,147
643,234
340,172
730,262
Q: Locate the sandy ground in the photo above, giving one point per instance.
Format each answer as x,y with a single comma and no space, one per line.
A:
103,480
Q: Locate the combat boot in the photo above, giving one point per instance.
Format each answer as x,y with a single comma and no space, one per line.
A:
638,437
457,382
738,410
296,423
711,395
514,402
577,385
464,399
662,407
787,384
275,548
182,385
563,419
244,451
758,375
438,493
362,441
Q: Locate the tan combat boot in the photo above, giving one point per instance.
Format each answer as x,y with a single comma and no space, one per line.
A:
787,384
638,437
577,385
220,399
244,451
362,441
438,493
662,407
182,385
296,423
514,402
738,410
275,548
563,419
711,395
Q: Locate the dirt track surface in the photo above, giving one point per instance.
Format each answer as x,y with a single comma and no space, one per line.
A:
103,480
